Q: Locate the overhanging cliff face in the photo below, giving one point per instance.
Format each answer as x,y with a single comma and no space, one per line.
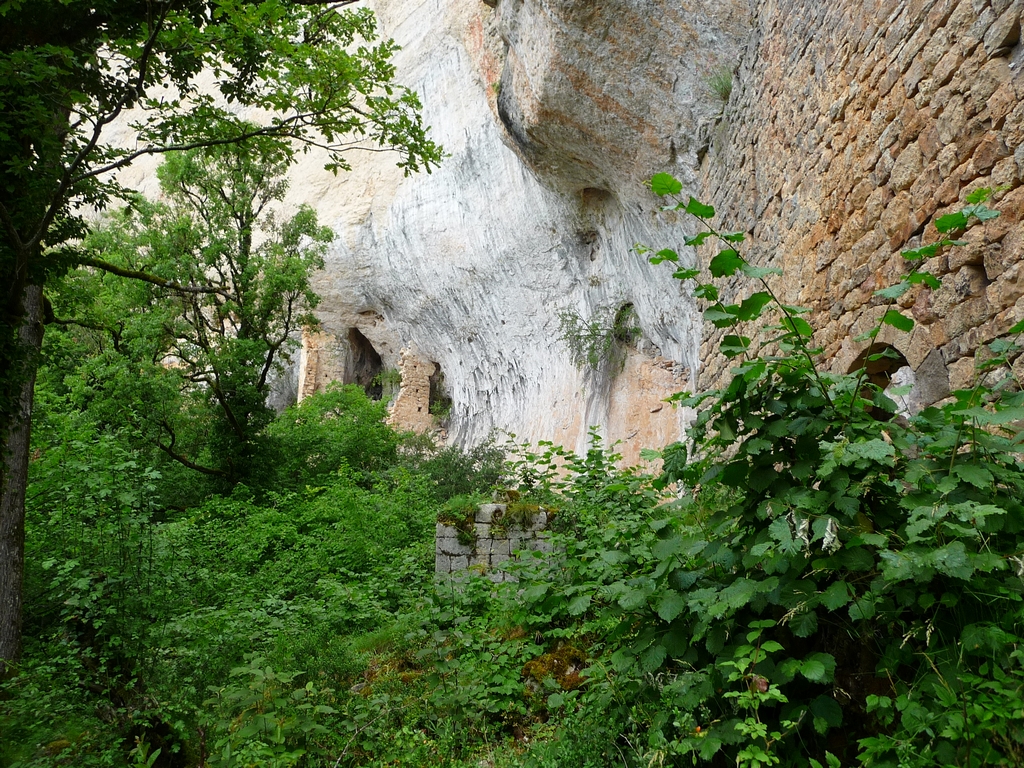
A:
851,127
553,115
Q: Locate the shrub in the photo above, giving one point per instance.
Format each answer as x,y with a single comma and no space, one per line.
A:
336,427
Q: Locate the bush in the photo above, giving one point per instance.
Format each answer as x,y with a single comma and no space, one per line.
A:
336,427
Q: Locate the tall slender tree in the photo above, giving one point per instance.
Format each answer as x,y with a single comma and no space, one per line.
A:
71,69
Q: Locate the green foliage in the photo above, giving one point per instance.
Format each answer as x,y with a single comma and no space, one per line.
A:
220,289
330,430
807,580
268,718
601,342
720,82
70,69
453,471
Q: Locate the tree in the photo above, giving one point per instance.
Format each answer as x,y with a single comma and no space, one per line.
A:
69,69
220,288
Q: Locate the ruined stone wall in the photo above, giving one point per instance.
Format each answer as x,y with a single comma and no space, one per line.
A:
854,124
493,541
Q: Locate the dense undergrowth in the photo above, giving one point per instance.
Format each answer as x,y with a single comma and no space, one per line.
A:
812,579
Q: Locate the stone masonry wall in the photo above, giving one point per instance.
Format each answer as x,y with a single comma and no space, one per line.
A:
493,542
852,126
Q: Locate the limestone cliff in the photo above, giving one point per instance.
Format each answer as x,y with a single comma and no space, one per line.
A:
552,118
850,127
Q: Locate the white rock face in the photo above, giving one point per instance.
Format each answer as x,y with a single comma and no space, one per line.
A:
469,267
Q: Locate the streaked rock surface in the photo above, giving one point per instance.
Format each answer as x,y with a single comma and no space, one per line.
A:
468,268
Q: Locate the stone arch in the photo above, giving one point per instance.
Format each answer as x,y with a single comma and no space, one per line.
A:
881,370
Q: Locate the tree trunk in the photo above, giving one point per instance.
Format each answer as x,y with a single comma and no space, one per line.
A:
14,481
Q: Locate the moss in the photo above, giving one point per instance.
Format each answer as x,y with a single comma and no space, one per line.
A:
460,514
506,496
564,664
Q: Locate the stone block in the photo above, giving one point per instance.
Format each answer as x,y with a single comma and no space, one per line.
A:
497,559
459,563
480,560
991,150
490,513
961,374
1004,33
442,563
971,254
1007,288
929,142
966,315
499,547
540,520
1002,101
931,381
1011,252
951,122
482,531
450,545
542,544
969,281
907,168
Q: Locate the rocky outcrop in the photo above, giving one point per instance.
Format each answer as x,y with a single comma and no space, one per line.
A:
535,211
851,126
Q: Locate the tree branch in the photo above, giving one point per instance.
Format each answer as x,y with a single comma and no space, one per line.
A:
191,464
145,277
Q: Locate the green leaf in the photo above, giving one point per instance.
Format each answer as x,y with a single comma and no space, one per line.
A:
894,291
953,561
734,346
797,325
813,670
686,274
827,710
1017,327
980,212
758,273
698,239
670,605
804,624
750,307
927,278
975,474
579,605
665,254
698,209
721,316
951,222
706,291
924,252
836,596
666,548
653,658
876,450
725,263
980,195
898,320
665,184
734,237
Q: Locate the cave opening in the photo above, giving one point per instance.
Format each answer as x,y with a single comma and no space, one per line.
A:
365,366
439,402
